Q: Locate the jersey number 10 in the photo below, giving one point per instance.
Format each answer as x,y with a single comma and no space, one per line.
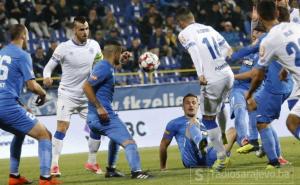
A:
4,61
292,48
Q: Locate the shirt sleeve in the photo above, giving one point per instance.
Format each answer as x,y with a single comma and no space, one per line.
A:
190,45
170,131
99,55
99,74
26,68
58,54
267,50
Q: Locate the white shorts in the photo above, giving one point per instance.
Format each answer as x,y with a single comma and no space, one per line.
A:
213,95
296,109
66,107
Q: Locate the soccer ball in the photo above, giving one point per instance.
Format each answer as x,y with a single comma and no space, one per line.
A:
148,62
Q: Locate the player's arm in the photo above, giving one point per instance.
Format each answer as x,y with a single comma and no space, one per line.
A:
51,65
29,77
266,52
163,155
244,76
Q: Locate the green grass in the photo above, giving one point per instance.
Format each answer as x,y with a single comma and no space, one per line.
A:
244,169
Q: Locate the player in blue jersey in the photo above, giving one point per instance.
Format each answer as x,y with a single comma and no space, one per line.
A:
191,137
237,100
102,120
268,100
15,72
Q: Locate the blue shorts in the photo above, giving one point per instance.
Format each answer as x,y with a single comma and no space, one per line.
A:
115,129
268,105
16,119
237,98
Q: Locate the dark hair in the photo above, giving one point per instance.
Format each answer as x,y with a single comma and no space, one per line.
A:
260,27
183,13
284,14
113,42
189,95
80,19
16,31
267,10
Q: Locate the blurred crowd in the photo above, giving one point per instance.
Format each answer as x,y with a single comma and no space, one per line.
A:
140,24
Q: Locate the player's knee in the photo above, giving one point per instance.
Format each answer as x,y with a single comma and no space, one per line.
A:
261,126
128,142
62,126
292,122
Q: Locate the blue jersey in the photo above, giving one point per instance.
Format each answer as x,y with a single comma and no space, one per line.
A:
15,70
189,152
102,80
273,84
248,63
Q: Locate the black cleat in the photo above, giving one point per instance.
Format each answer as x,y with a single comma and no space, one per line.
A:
140,175
113,172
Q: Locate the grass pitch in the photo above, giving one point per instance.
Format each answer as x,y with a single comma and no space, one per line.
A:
245,169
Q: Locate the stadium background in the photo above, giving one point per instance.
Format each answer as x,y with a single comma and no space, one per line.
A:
140,25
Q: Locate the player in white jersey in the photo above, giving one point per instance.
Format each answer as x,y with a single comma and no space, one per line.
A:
282,42
208,49
76,57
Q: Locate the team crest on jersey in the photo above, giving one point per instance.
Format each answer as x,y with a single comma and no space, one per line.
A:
262,51
91,50
71,53
182,40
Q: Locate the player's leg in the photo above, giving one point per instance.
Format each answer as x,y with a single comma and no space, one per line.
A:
222,118
113,151
238,105
15,155
118,132
65,108
94,142
293,120
197,137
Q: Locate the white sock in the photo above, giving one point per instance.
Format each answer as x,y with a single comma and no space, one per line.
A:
57,146
93,148
215,138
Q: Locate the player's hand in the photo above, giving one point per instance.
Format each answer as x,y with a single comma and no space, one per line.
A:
48,82
202,80
41,99
103,115
125,57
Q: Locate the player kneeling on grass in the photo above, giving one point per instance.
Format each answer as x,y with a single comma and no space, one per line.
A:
102,120
191,138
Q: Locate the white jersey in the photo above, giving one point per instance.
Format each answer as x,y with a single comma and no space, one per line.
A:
76,62
283,42
208,50
295,15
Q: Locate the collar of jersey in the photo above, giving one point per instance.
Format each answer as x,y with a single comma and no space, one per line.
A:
78,44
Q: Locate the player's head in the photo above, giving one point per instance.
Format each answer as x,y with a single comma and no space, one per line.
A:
282,3
258,30
81,29
190,105
284,14
19,33
184,17
267,11
112,51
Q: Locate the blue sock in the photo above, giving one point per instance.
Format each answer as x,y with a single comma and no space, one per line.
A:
240,123
253,132
268,143
277,143
297,133
59,135
133,157
15,153
113,150
196,135
45,155
209,124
